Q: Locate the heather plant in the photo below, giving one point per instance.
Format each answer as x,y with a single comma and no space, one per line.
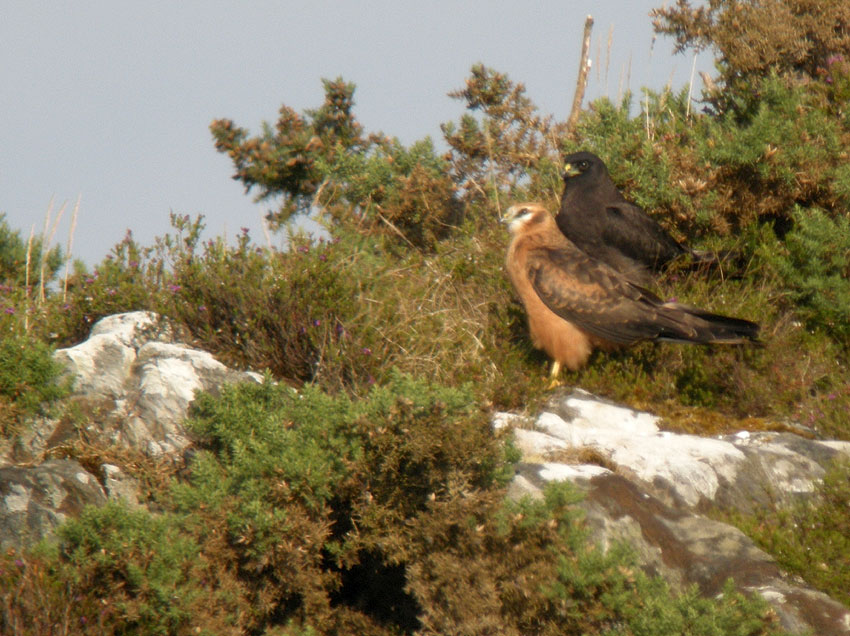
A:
128,279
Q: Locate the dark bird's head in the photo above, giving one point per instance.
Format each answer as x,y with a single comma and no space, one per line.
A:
583,165
522,216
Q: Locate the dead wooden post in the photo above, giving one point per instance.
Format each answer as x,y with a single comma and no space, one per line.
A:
581,83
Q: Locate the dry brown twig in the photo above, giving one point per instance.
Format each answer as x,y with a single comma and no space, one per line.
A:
70,245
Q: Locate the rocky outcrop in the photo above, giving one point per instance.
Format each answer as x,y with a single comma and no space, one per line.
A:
131,364
647,488
35,499
643,486
135,384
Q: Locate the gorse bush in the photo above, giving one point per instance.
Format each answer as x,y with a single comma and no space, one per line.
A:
813,263
303,512
322,161
30,381
797,39
502,146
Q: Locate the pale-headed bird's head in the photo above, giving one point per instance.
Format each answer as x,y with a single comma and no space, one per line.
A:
521,215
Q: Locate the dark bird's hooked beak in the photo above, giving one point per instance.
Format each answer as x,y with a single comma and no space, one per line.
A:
570,170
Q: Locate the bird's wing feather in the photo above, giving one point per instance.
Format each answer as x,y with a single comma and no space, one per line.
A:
592,296
638,235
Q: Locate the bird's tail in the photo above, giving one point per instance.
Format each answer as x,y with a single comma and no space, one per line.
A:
688,324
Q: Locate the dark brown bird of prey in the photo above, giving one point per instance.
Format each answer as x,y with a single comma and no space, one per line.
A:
575,302
601,222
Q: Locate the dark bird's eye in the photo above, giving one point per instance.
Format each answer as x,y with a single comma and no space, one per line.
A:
583,164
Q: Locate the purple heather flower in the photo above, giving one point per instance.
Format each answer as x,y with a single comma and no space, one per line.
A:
317,322
202,308
134,264
10,310
366,351
19,563
303,249
174,288
245,230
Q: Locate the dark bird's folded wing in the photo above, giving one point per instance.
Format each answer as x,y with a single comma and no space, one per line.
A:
631,231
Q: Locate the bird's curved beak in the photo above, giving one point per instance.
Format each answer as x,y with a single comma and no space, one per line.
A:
510,214
569,171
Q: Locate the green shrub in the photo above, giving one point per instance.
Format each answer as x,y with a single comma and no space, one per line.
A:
796,39
137,560
113,570
309,489
13,258
367,185
30,381
385,515
813,265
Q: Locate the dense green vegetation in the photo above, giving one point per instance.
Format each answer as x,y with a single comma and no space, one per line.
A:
307,513
371,500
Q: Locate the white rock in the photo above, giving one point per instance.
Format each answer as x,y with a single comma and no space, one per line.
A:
537,443
552,471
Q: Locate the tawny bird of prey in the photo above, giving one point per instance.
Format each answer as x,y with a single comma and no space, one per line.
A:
596,217
576,302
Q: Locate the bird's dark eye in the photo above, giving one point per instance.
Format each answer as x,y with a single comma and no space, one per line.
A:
583,164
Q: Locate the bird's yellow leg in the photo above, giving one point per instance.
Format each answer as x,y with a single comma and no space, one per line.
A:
553,374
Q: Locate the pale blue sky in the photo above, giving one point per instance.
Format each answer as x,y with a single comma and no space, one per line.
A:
112,100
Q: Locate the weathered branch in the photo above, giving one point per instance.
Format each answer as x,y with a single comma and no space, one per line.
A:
581,82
